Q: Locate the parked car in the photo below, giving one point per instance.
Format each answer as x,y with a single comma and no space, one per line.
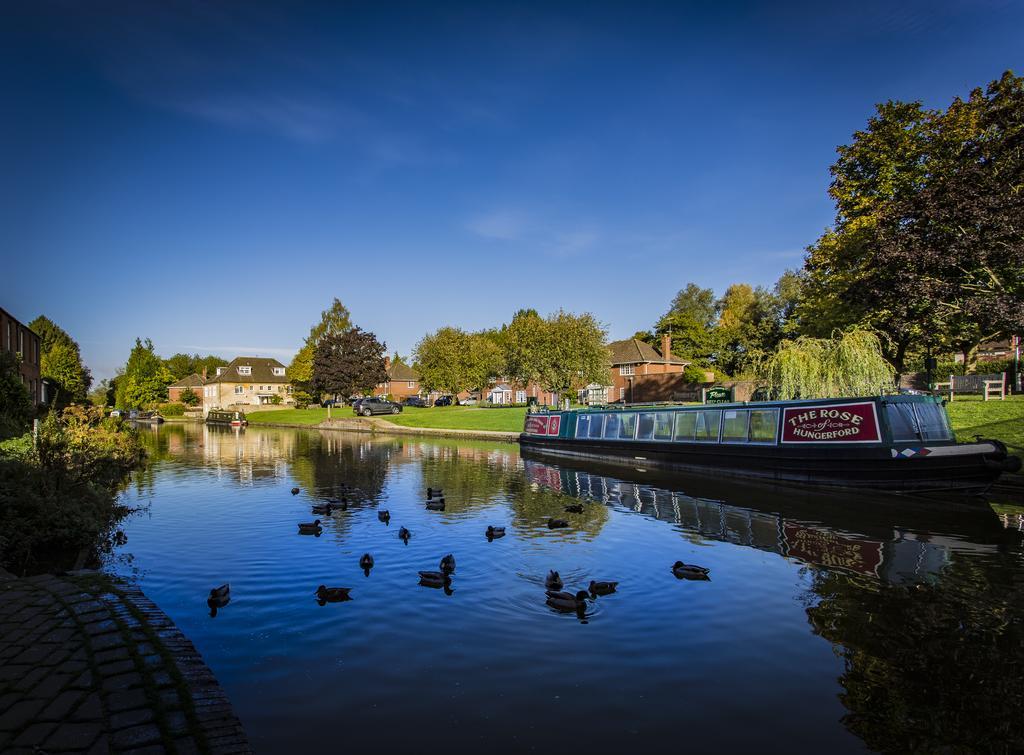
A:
118,413
415,401
468,401
376,405
443,401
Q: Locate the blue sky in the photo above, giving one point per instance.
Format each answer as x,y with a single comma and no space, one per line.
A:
211,175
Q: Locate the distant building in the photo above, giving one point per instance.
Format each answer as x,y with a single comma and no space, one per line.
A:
632,357
26,347
246,382
194,382
402,382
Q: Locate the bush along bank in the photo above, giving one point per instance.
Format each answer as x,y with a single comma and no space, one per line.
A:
58,493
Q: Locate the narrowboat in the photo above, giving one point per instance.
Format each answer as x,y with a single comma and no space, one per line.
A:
222,417
896,444
147,417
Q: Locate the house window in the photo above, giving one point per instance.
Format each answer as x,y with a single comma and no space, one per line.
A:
520,397
279,370
239,388
627,369
247,370
410,384
622,393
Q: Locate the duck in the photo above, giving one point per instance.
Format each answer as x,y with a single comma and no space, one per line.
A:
218,593
554,524
567,601
690,571
436,505
448,564
493,532
384,515
310,528
553,581
366,562
215,604
404,534
431,492
434,579
602,588
575,508
326,594
295,491
323,508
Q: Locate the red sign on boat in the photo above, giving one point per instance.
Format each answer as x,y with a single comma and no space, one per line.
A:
831,423
542,424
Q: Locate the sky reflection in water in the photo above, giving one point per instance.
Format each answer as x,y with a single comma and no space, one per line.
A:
828,622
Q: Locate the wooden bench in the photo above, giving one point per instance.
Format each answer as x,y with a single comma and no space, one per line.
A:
989,386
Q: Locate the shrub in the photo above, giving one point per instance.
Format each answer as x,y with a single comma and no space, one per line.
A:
276,400
58,500
171,410
694,373
16,409
189,397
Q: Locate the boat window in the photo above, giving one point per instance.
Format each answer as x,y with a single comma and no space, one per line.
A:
707,425
582,425
902,421
686,423
596,424
663,426
763,423
645,430
932,422
611,426
628,427
734,426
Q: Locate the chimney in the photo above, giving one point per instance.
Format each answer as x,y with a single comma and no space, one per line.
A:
204,374
387,363
666,346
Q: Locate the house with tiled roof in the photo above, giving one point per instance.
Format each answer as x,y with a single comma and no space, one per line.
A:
248,382
632,357
191,382
403,381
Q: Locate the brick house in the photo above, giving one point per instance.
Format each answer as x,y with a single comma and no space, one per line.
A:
193,381
403,381
247,382
632,357
26,347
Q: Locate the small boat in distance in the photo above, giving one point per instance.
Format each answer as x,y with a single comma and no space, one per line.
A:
222,417
152,418
896,444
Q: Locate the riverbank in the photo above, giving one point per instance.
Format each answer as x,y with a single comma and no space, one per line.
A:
88,663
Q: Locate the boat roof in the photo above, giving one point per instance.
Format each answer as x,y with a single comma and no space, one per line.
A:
672,405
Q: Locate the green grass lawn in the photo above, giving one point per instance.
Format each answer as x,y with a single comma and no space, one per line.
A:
461,418
295,416
439,417
1002,420
969,415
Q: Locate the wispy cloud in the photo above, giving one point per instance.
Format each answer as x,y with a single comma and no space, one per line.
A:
553,237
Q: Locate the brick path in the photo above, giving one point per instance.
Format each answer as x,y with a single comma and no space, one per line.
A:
91,665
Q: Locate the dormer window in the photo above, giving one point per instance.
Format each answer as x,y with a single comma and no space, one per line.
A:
246,370
279,371
220,370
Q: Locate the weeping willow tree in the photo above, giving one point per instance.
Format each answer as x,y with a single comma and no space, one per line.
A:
849,363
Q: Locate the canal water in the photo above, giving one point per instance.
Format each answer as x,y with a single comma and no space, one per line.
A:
829,623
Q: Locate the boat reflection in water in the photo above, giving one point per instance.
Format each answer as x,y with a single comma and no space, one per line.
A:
924,604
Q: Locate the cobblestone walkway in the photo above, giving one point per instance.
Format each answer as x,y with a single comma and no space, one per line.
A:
92,665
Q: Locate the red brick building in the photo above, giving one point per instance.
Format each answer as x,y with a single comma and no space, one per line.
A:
632,358
193,381
25,345
403,381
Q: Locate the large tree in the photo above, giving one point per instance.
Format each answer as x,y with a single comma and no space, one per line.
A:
334,320
927,243
524,341
690,320
575,353
144,380
182,365
348,361
451,360
60,361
